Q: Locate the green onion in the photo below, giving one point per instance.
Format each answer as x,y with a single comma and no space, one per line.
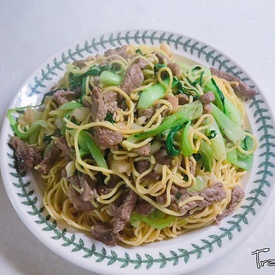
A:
219,96
157,219
32,133
150,95
232,112
185,113
69,106
75,79
206,154
170,141
227,127
217,141
241,161
88,146
186,145
201,183
109,78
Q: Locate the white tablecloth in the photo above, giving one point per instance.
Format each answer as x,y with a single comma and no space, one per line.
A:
31,31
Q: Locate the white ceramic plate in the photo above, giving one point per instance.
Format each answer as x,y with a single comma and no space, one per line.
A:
183,254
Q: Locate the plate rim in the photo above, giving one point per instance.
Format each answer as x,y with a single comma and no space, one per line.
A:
120,270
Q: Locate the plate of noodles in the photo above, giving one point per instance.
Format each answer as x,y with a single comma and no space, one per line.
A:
139,151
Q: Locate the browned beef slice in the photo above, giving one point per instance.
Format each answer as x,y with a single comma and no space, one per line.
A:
176,194
121,211
49,160
242,90
144,151
122,51
104,233
89,188
61,96
207,109
183,99
148,113
103,189
142,63
133,79
173,100
236,197
27,155
106,138
76,200
85,183
142,165
211,194
207,98
66,151
144,207
102,103
80,63
174,67
162,157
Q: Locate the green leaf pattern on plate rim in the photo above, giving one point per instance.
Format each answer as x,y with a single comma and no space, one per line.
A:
255,198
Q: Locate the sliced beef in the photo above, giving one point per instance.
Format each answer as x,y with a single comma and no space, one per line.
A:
59,148
144,207
174,67
49,159
211,194
153,175
114,180
144,151
148,113
176,193
142,165
173,100
106,138
66,151
242,90
102,103
89,188
207,98
85,183
162,157
104,233
61,96
122,51
103,189
77,202
82,63
27,155
122,210
142,63
133,78
236,197
207,109
183,99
